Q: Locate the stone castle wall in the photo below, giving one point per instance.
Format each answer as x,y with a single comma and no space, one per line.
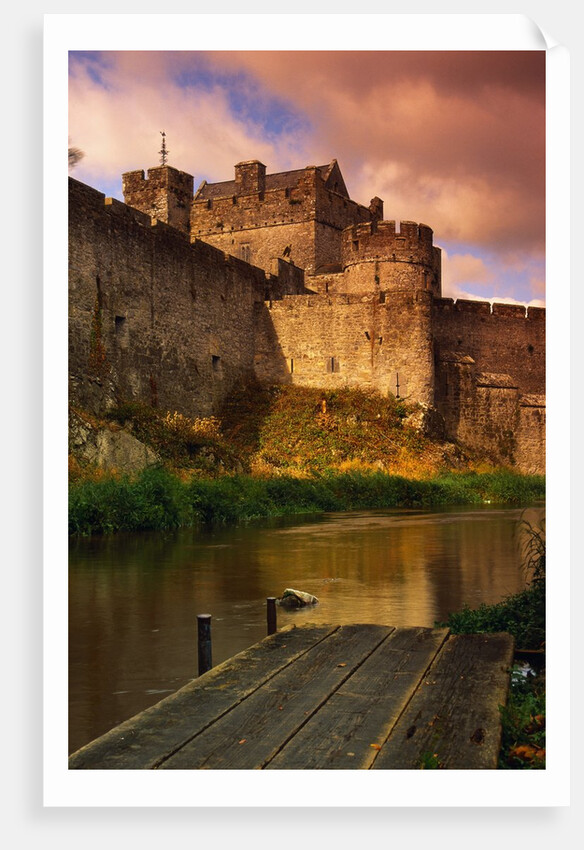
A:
349,340
305,220
504,339
153,318
176,315
488,413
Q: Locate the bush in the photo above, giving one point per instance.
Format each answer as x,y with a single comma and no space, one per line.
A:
522,614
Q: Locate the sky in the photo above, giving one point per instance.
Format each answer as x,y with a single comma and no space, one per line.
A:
451,139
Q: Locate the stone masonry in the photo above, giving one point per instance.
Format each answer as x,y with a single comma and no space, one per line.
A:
177,295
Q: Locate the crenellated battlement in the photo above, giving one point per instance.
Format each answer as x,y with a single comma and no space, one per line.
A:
283,278
390,256
165,194
195,292
161,177
446,306
403,241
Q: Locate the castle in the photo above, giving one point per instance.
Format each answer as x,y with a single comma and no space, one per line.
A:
177,296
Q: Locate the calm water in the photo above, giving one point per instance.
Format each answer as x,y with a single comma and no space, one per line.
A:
133,599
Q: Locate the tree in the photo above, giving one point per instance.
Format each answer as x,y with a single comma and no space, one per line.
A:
75,155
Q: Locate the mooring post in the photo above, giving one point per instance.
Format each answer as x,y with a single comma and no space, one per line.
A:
204,642
272,625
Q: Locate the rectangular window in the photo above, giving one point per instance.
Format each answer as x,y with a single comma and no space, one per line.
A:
121,330
216,363
333,364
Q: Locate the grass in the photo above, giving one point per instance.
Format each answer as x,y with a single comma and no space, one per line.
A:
290,450
281,450
522,615
157,499
289,430
304,430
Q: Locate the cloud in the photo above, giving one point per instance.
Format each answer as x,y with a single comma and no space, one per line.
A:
119,104
460,270
454,140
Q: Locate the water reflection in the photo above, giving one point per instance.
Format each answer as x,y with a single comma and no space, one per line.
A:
134,598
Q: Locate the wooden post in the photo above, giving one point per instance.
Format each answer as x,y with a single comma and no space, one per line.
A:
204,642
272,625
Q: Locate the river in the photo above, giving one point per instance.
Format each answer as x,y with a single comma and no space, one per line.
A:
134,599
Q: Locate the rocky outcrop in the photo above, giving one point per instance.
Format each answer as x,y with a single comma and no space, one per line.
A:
109,448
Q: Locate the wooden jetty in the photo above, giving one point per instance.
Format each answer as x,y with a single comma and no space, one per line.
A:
327,697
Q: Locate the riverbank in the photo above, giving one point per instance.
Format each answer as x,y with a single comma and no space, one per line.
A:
522,615
157,499
273,431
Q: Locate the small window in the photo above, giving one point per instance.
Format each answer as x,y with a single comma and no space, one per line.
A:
333,364
291,366
245,252
216,363
121,330
355,244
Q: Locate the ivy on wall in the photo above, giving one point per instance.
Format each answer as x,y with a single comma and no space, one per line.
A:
97,352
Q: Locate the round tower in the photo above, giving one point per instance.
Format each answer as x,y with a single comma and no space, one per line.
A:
400,265
380,256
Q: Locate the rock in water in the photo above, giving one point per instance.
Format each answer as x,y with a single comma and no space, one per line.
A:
296,599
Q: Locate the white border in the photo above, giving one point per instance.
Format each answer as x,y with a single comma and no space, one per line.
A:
262,788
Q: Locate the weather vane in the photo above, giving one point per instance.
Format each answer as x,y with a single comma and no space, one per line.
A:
163,152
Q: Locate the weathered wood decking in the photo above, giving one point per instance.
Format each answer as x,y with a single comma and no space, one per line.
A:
327,697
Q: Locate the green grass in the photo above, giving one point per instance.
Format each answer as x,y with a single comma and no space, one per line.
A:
156,499
280,450
522,615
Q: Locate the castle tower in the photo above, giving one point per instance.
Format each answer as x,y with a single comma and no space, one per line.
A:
166,194
297,216
385,256
399,264
250,177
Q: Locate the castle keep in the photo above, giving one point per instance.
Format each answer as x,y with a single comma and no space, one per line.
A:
178,295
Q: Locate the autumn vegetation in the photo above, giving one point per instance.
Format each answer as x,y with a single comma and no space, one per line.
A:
283,450
289,450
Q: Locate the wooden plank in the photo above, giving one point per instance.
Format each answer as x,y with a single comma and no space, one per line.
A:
348,730
453,720
255,730
142,741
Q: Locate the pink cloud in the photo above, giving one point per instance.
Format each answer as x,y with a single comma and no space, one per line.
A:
454,140
460,270
117,122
